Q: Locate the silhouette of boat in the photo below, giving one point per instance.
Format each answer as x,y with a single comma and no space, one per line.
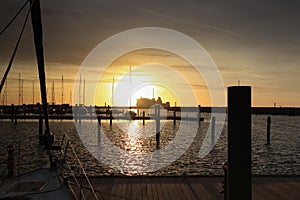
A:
44,183
130,115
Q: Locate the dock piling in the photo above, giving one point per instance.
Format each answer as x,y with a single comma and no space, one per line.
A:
12,112
157,126
199,113
110,118
143,118
174,118
75,113
239,143
213,124
99,130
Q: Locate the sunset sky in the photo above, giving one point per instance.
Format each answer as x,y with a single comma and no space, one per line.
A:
256,42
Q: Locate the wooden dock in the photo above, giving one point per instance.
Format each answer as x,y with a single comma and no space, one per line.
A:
195,187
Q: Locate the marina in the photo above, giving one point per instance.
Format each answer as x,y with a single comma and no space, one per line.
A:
152,150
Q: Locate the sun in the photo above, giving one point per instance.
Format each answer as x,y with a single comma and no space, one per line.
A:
150,74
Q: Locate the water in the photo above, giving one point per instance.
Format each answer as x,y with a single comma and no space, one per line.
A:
281,157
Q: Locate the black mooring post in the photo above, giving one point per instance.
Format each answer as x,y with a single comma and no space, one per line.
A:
199,114
99,130
268,130
174,118
239,143
213,126
157,126
110,117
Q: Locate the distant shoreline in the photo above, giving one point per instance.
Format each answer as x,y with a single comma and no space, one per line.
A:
35,109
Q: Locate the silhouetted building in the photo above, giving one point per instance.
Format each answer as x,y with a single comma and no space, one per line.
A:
147,103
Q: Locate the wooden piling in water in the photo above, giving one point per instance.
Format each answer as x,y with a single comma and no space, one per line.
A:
79,116
143,118
75,113
157,126
16,115
199,113
239,143
99,130
213,124
269,130
174,118
110,118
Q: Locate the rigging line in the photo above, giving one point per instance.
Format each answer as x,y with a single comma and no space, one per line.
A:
13,19
14,52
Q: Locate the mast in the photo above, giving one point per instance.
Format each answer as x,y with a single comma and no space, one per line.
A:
37,27
22,93
153,93
53,93
112,92
130,86
19,89
79,96
33,92
62,89
83,92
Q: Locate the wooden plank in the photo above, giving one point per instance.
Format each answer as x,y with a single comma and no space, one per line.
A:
144,189
137,190
197,184
123,187
184,187
165,193
149,189
114,190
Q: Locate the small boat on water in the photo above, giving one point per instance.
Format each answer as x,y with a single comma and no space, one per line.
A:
130,115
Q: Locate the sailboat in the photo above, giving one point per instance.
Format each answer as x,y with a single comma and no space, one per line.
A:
44,183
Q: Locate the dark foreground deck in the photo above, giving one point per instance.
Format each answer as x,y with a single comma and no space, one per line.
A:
263,187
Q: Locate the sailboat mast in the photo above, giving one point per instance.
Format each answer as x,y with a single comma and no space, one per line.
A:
130,86
83,92
79,96
32,92
19,89
53,93
112,92
37,27
62,89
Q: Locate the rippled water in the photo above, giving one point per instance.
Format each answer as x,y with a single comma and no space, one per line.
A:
138,142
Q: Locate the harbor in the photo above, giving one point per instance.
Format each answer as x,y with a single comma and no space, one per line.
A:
150,115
